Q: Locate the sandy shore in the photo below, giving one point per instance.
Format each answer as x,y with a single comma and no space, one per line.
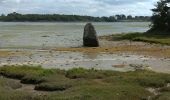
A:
126,46
111,55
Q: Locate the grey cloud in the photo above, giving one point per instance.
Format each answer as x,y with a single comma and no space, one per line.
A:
81,7
122,2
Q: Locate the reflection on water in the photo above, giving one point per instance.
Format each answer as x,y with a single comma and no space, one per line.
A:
52,35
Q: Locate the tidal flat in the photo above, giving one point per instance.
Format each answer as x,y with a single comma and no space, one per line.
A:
46,61
59,45
108,56
45,35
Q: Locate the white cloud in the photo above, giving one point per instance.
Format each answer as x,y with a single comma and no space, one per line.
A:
80,7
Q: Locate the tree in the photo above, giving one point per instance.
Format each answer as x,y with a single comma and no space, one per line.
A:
16,17
120,17
123,17
161,17
129,17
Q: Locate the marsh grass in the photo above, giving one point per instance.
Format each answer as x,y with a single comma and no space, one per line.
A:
82,84
144,37
26,74
89,74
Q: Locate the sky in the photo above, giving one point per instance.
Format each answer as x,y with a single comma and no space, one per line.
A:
79,7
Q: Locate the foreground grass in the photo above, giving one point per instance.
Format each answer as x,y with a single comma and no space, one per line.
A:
81,84
144,37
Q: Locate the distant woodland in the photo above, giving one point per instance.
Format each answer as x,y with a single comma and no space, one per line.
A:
16,17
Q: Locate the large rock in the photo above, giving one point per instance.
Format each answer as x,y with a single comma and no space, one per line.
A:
90,36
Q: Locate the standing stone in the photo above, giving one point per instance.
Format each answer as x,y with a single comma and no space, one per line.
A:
90,36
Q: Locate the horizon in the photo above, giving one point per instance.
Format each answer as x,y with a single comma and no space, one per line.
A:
95,8
72,15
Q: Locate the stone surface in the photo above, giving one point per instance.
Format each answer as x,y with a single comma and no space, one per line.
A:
90,38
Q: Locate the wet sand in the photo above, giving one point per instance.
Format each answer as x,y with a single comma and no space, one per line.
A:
111,55
139,48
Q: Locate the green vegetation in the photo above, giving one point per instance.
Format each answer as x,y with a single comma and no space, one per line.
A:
81,84
160,27
26,74
161,17
16,17
143,37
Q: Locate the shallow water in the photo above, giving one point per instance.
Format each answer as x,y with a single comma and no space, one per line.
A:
51,35
68,60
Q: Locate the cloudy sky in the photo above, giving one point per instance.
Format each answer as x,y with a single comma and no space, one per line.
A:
78,7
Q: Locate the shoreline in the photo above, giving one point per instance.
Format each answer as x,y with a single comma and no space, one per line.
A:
118,53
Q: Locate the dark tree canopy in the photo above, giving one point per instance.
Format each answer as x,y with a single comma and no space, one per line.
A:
16,17
161,17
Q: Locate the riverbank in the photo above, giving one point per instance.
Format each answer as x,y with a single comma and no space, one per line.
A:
134,49
137,43
117,55
78,83
116,69
157,38
105,60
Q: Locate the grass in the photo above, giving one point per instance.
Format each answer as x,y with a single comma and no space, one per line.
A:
144,37
81,84
26,73
83,73
7,90
164,96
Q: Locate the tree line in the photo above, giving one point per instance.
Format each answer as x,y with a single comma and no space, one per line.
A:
16,17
